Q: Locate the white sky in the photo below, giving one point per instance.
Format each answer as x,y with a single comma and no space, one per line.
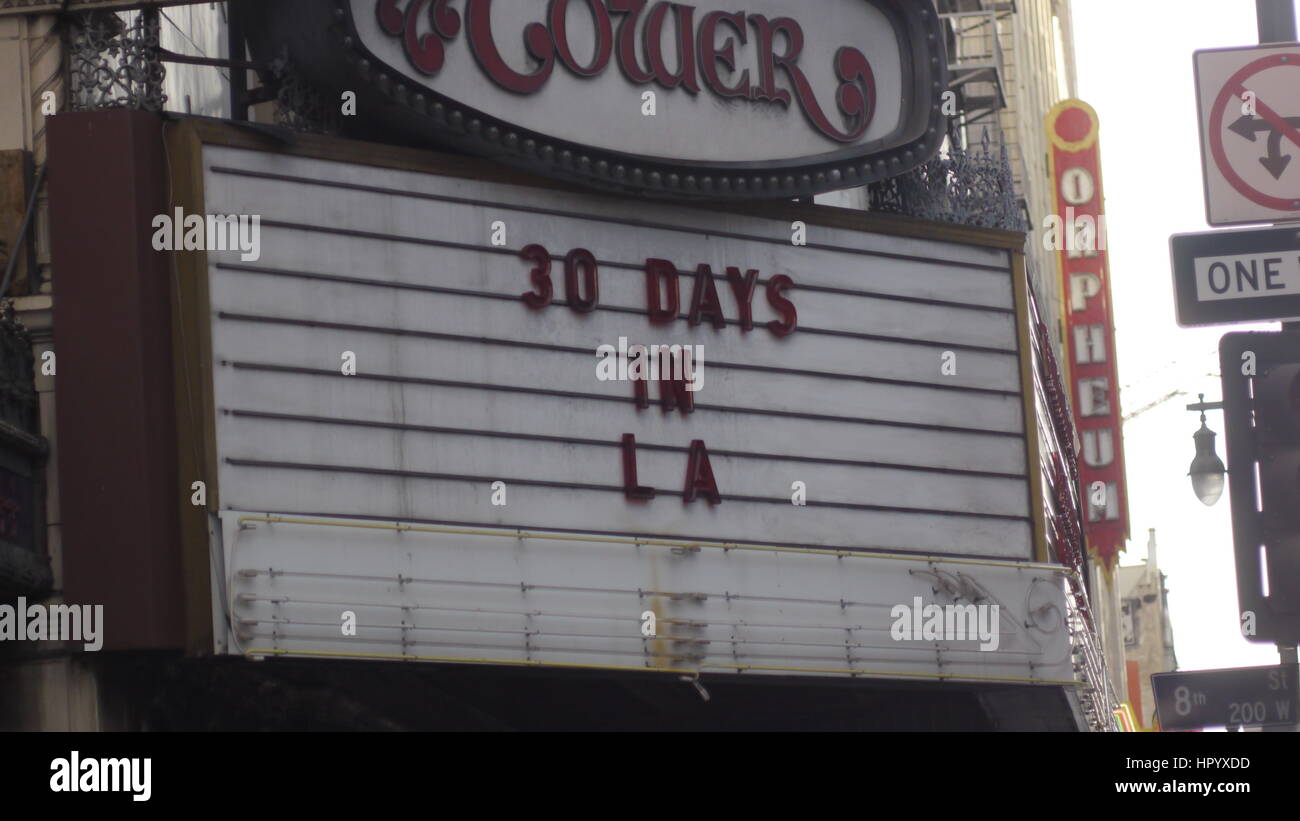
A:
1135,69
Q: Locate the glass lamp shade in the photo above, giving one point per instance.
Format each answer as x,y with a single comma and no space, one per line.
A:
1207,468
1208,487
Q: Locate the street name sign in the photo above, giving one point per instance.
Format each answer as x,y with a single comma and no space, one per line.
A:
1244,696
1223,277
1248,101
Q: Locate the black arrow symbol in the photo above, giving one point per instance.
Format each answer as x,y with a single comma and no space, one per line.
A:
1275,162
1246,125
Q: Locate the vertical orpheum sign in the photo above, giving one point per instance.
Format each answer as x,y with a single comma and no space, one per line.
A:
1077,231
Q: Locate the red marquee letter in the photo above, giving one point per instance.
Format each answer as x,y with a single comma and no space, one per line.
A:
673,393
789,317
481,42
704,301
604,37
766,39
856,95
743,289
626,48
655,269
581,258
540,275
711,55
630,488
699,476
654,29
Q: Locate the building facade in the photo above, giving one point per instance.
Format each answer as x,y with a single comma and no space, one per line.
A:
200,643
1012,62
1148,631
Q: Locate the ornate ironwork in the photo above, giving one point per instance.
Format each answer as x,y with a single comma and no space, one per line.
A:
24,565
115,64
18,408
968,187
1096,696
298,105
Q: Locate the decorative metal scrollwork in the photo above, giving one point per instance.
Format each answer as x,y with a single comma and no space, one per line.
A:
18,406
964,186
24,564
116,64
298,105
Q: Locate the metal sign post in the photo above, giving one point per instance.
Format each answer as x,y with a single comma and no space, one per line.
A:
1248,105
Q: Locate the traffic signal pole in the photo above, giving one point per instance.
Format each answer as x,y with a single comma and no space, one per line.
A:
1276,20
1277,24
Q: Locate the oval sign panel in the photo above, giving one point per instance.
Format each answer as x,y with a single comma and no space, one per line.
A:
693,99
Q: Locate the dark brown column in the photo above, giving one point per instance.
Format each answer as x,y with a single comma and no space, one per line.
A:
118,481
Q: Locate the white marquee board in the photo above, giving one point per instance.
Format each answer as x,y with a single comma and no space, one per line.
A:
459,385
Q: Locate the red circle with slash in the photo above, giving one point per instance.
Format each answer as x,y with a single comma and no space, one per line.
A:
1232,90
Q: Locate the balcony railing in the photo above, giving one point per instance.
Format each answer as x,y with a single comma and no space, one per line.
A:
964,186
975,63
24,564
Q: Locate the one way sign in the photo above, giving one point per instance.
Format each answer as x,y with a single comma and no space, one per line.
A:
1236,276
1249,104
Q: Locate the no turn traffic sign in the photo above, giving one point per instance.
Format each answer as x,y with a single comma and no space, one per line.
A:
1249,105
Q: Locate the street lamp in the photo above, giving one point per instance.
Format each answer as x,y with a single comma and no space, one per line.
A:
1207,468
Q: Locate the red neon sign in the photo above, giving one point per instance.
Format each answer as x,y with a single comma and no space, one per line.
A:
1080,229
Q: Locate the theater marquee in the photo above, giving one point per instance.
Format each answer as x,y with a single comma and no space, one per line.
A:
408,452
674,99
